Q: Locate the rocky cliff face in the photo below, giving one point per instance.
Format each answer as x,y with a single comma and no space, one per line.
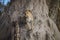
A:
44,27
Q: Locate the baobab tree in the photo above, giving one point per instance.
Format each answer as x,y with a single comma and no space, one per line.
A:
44,28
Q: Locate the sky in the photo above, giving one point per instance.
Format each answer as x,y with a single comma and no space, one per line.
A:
4,2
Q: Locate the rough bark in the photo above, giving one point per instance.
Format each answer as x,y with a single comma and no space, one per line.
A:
58,16
54,12
44,27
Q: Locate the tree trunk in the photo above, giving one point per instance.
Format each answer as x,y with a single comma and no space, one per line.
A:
44,28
